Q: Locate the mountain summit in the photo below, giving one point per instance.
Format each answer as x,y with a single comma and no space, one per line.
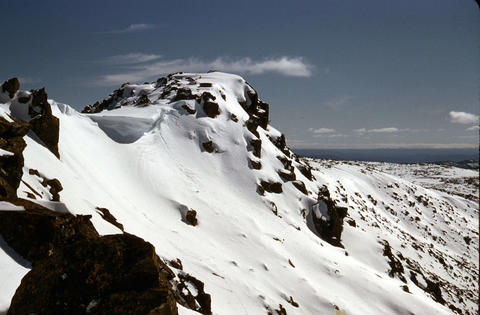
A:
188,190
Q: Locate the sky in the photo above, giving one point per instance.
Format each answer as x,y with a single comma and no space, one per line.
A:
336,73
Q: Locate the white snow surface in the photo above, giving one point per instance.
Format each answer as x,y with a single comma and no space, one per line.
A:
146,164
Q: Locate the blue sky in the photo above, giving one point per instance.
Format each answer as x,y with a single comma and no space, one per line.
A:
337,74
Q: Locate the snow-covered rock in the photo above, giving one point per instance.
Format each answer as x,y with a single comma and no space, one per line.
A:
191,164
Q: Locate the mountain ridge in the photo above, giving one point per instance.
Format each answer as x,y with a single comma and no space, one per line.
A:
237,209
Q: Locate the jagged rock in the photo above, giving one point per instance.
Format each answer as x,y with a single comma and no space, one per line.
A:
11,86
208,146
300,186
143,101
291,301
211,109
287,176
55,188
43,123
257,147
396,267
75,271
306,171
281,311
201,301
36,234
271,187
330,230
287,163
255,165
205,84
252,125
183,94
191,217
281,144
188,109
11,139
107,216
107,103
177,264
161,82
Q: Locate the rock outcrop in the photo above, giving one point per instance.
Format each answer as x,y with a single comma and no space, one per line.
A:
11,140
76,271
329,227
43,123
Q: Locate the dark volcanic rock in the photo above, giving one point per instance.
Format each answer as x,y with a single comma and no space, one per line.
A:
107,216
306,171
330,230
11,139
271,187
55,188
188,109
255,165
75,271
208,146
199,301
143,101
281,144
211,109
396,267
287,176
191,217
43,123
257,147
36,234
300,186
11,86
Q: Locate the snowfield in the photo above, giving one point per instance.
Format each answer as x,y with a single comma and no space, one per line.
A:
150,157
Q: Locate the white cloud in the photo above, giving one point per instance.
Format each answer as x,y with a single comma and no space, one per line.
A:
133,28
385,130
321,130
463,118
379,130
473,128
329,135
287,66
132,58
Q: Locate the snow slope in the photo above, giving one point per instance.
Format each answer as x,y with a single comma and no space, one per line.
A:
144,155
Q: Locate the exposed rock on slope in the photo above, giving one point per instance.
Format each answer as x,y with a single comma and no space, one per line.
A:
76,271
12,132
44,124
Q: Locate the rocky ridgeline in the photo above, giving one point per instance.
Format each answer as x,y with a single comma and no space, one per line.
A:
182,87
74,270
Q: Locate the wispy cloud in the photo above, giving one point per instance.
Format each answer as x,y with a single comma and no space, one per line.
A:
473,128
132,58
338,102
379,130
329,135
132,28
462,118
385,130
286,66
321,130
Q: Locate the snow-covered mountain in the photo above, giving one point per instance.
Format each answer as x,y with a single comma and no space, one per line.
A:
190,164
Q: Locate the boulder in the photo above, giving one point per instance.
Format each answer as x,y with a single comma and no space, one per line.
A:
11,86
